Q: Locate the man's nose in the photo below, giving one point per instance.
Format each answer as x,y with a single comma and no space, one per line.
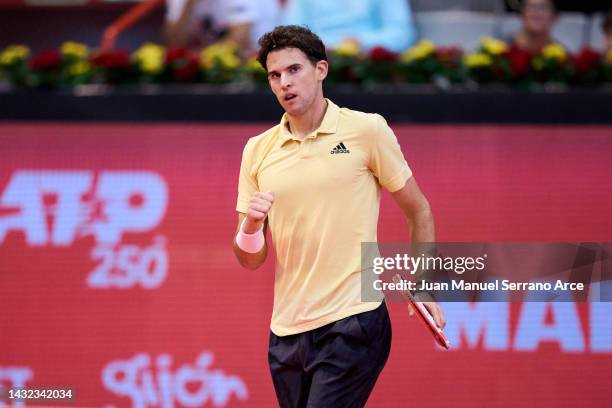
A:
285,81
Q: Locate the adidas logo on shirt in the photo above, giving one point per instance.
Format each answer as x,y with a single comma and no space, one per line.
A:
341,148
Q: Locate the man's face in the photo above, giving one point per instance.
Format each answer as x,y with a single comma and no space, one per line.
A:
538,16
294,79
608,40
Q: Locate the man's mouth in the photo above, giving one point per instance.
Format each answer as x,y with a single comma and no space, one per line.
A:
289,96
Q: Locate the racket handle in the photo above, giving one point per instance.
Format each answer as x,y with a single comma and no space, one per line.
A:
431,324
426,317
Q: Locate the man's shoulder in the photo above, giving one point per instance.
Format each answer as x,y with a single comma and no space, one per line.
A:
265,136
257,144
361,120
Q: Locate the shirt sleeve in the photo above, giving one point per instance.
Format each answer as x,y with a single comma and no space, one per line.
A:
247,181
387,161
241,11
395,28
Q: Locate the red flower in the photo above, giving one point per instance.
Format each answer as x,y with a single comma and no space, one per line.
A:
449,56
448,52
187,71
184,63
175,53
520,60
586,60
46,60
381,54
112,59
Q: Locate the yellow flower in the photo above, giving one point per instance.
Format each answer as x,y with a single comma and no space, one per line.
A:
220,53
14,53
422,49
554,52
252,65
609,57
230,61
74,49
79,68
538,63
150,57
347,49
477,60
493,46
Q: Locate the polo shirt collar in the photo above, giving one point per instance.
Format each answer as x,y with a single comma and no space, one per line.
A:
328,125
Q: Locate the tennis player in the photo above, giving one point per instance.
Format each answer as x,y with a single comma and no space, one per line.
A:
314,180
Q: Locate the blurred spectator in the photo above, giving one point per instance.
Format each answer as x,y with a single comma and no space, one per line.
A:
607,32
203,22
369,23
538,17
490,6
582,6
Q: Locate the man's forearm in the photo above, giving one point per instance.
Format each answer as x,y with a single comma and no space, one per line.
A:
422,231
251,231
239,35
421,226
176,33
248,260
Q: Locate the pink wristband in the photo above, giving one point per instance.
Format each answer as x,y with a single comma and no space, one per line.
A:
251,243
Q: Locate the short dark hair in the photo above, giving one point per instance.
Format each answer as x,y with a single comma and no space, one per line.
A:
553,4
291,36
606,25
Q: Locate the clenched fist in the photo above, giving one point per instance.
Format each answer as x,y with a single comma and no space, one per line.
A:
259,206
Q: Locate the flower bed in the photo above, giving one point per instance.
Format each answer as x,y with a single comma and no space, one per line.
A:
493,62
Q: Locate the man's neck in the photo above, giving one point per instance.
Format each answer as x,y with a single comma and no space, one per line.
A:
304,124
534,41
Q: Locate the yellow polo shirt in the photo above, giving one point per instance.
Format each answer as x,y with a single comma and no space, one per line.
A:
326,201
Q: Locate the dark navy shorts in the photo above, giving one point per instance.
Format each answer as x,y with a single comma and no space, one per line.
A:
335,365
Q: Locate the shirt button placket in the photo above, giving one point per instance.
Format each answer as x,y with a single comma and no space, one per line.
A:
305,148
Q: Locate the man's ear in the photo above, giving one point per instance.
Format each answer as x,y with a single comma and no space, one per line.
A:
322,68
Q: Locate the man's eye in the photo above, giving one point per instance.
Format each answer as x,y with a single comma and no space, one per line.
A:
273,75
294,69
